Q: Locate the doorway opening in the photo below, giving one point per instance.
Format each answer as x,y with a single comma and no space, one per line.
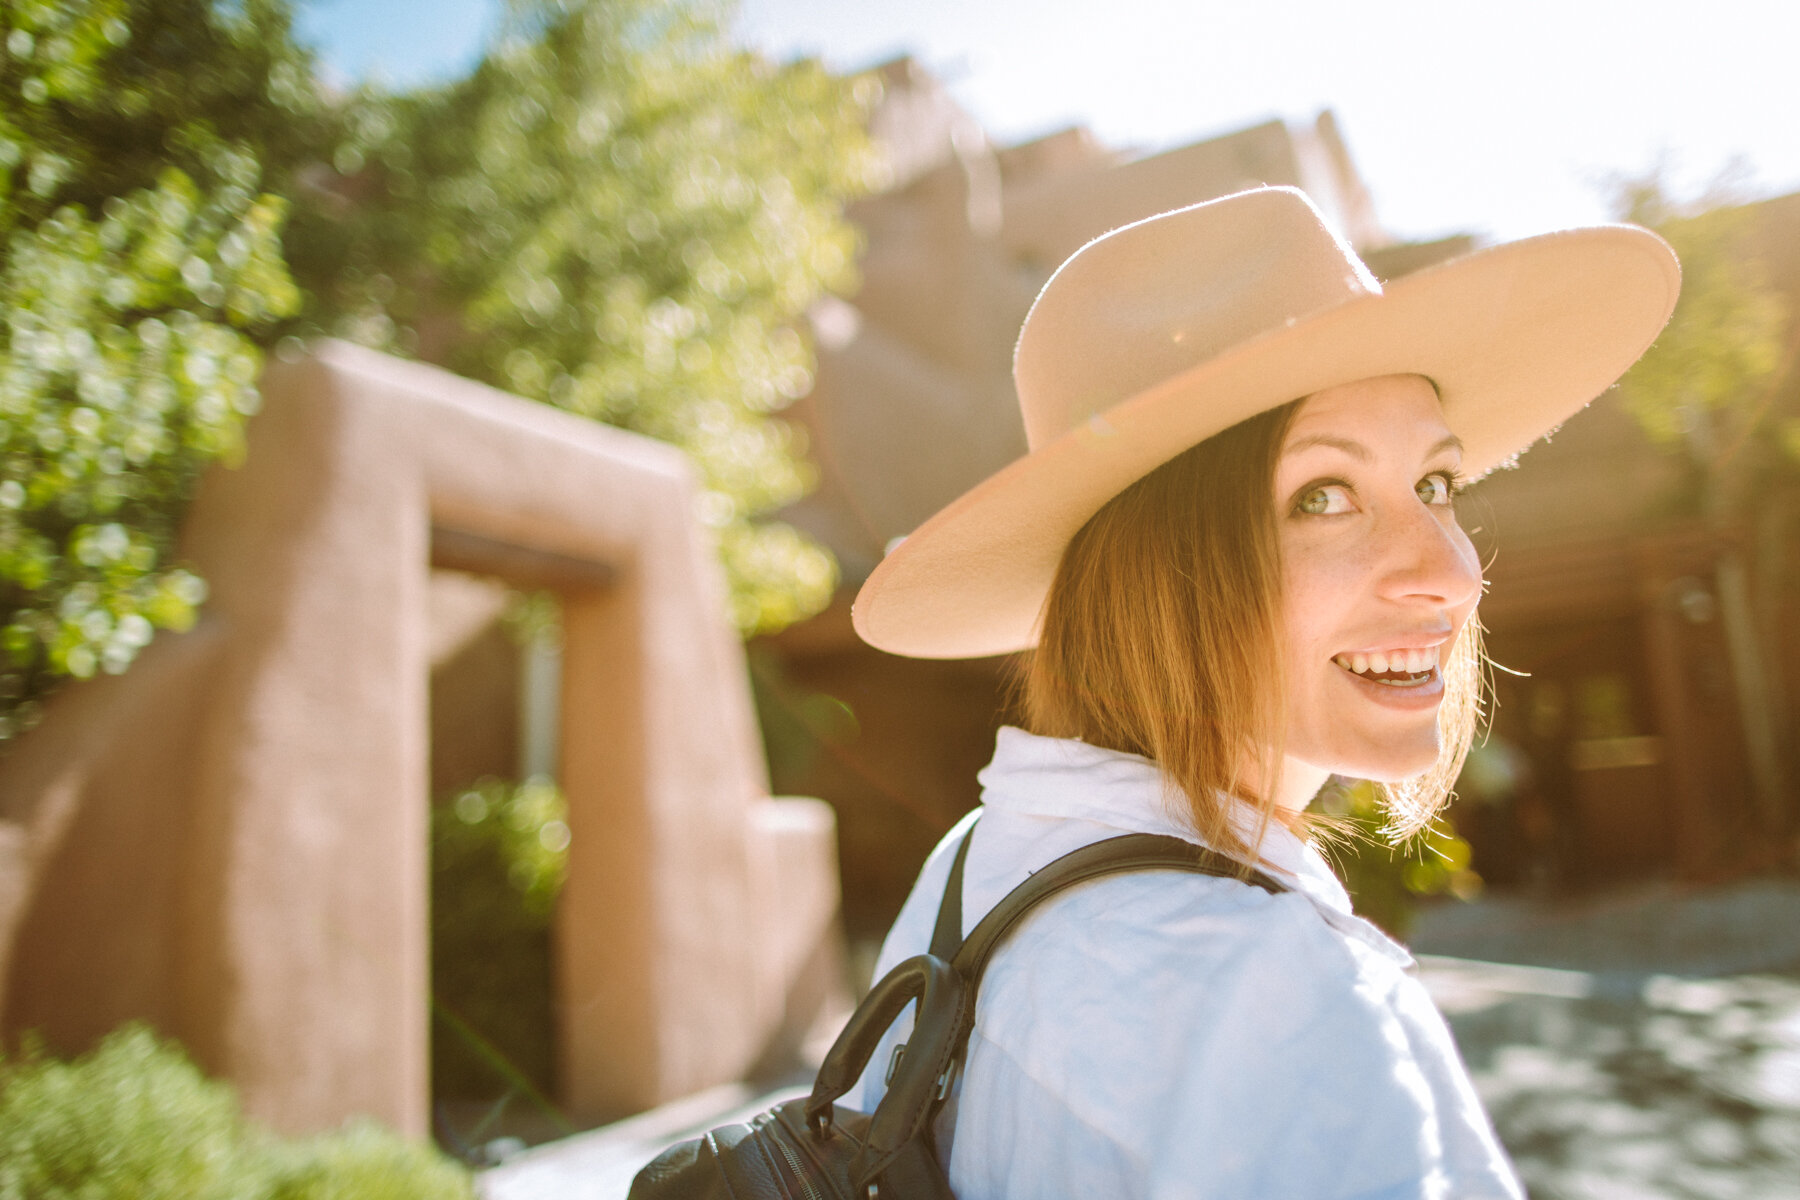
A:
499,849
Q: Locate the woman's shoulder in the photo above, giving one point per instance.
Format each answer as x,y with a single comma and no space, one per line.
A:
1202,1024
1201,951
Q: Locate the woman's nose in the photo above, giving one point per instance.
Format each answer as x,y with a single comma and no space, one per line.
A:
1431,559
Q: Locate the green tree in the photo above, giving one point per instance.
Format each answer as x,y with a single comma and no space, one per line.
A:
140,261
1708,391
619,214
616,213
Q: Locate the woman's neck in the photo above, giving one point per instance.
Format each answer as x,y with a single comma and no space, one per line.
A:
1298,783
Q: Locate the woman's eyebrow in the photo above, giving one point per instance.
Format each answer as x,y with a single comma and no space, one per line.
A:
1354,449
1361,452
1448,442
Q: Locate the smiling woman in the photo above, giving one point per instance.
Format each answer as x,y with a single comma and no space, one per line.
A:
1234,552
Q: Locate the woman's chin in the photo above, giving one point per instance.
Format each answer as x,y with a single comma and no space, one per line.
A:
1390,763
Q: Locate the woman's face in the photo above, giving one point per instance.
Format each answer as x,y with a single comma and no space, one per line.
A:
1378,576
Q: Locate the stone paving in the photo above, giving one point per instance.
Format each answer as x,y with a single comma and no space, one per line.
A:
1670,1067
1609,1088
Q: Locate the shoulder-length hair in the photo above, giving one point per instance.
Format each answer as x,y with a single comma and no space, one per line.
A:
1161,637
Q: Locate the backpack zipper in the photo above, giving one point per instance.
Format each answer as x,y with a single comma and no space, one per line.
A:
793,1162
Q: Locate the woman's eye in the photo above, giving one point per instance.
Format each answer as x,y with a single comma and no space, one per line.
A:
1324,500
1436,488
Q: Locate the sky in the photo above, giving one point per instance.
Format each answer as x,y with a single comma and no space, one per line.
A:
1502,119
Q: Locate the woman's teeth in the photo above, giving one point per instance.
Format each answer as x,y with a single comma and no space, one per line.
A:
1412,665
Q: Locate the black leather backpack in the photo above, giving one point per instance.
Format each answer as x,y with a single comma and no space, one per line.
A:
812,1150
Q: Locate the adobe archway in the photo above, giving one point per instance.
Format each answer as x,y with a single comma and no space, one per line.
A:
273,760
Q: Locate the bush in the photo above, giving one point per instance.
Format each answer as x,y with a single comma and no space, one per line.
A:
1385,881
498,854
134,1118
364,1162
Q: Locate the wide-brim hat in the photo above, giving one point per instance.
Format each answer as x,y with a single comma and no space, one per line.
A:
1154,337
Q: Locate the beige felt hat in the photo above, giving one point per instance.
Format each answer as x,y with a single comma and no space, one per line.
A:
1160,334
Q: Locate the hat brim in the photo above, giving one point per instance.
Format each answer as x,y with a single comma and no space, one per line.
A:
1517,338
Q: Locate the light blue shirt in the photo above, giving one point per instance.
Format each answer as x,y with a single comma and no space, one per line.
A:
1161,1034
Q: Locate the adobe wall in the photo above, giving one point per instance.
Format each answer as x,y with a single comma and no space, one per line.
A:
230,839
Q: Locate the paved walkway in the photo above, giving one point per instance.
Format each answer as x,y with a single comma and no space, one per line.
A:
1671,1088
1670,1068
599,1164
1743,928
1667,1066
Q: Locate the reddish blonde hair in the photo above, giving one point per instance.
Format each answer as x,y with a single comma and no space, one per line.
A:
1161,637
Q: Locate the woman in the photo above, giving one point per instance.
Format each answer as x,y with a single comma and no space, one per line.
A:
1234,549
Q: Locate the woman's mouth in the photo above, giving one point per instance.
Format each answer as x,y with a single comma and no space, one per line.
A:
1411,668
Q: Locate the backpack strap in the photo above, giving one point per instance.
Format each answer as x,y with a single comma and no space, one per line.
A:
1130,852
947,935
941,1031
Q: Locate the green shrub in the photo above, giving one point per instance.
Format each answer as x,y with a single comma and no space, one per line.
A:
498,854
1385,881
133,1118
363,1161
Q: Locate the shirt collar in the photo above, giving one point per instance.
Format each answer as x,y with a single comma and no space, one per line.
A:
1061,777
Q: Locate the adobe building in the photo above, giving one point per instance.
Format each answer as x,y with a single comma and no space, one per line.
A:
229,841
914,403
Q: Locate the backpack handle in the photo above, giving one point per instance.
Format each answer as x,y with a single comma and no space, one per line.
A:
939,990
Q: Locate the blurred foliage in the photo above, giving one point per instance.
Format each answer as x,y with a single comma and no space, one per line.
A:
619,214
100,97
798,723
1385,881
533,618
139,261
1704,386
499,852
1712,390
363,1161
616,213
134,1118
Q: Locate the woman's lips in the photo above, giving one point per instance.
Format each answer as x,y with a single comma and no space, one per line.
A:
1407,690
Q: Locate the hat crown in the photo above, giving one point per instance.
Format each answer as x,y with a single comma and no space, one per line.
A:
1152,300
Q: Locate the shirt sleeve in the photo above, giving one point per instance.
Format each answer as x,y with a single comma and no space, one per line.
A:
1208,1040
